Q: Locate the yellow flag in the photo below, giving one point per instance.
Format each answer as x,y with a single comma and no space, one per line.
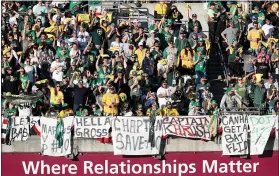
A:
188,6
83,18
49,29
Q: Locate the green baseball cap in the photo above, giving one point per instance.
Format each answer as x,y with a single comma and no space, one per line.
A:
213,102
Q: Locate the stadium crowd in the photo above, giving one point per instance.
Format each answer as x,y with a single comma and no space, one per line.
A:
73,61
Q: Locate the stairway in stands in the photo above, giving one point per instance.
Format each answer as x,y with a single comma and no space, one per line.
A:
215,72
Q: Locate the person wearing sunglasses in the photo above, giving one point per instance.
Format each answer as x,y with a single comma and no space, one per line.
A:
56,96
95,110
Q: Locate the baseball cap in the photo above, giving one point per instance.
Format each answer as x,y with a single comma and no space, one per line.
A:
168,103
34,88
194,15
140,44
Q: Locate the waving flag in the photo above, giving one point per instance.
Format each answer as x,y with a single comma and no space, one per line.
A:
37,127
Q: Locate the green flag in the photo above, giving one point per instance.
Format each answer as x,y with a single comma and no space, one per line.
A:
59,135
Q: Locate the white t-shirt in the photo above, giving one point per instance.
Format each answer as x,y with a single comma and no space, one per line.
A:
30,72
58,73
268,29
165,92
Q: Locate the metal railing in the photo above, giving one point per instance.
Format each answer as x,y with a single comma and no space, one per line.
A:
223,63
245,110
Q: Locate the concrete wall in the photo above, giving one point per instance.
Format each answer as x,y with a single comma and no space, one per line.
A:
198,8
91,145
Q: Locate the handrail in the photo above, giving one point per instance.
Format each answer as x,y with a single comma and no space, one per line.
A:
224,65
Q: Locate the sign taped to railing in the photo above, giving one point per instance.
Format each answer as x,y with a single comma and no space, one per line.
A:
135,136
188,126
234,136
56,138
19,129
260,127
92,127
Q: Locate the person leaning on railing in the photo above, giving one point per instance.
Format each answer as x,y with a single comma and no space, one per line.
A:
229,100
212,21
160,9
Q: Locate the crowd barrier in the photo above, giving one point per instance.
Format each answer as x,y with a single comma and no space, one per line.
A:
143,136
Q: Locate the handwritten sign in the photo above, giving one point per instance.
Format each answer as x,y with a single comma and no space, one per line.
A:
34,120
189,127
260,127
49,144
92,127
234,136
131,136
24,109
19,129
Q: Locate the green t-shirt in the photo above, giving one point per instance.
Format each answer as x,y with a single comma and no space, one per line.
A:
135,91
10,112
95,113
201,65
82,113
259,94
24,80
193,103
98,35
242,91
180,44
164,38
102,77
93,82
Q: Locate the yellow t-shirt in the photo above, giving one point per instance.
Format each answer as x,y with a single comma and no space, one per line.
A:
108,99
158,112
161,8
56,99
254,34
140,54
171,112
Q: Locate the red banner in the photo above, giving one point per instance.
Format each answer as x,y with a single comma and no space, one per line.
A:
199,163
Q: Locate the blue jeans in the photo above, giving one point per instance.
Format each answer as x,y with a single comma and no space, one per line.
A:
199,75
75,107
